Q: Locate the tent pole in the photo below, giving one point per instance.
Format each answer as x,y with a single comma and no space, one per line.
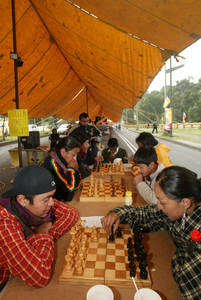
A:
16,77
87,99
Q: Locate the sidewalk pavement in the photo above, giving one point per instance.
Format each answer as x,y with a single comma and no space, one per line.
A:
181,142
189,144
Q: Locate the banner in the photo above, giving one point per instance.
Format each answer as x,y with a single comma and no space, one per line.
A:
18,122
166,102
184,117
168,119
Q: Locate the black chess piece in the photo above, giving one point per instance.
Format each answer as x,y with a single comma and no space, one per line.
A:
143,274
131,265
130,252
143,264
119,233
111,238
129,240
132,273
130,258
129,243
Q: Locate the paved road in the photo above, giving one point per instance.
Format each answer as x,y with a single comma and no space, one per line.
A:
180,155
6,170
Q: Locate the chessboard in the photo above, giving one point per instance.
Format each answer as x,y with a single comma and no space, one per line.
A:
109,169
92,259
100,190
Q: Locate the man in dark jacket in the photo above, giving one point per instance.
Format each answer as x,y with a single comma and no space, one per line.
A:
94,134
113,151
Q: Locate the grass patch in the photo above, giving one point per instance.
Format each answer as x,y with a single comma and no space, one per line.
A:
187,134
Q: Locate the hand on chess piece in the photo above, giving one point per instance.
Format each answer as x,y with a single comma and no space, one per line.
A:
110,221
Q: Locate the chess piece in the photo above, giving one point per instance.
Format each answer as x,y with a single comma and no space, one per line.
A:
94,234
132,273
78,267
69,263
71,252
143,274
111,238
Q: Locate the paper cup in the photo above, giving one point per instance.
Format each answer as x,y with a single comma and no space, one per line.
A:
117,160
146,294
100,292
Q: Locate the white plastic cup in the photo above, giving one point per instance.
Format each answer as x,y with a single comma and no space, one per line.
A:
117,160
146,294
100,292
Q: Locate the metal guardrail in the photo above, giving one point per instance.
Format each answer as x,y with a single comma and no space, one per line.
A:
161,126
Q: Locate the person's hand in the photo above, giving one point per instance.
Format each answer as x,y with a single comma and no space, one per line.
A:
109,220
73,164
43,228
125,158
137,179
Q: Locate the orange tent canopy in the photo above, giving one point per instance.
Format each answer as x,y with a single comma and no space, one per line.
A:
74,61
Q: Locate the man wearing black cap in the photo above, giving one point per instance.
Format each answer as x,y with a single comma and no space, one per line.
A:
30,221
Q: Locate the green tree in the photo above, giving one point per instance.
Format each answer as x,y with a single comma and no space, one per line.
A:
151,106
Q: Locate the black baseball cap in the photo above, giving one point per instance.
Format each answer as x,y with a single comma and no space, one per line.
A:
31,180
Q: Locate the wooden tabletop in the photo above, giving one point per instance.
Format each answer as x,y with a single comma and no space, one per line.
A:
158,246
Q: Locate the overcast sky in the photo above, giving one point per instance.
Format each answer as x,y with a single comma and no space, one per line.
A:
192,67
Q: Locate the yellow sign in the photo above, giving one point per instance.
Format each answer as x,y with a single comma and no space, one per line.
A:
166,102
18,122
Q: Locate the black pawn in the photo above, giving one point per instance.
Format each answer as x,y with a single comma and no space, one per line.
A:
119,233
132,273
143,274
111,238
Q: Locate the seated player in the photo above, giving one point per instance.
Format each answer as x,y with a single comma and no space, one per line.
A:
113,151
31,219
147,140
178,211
148,169
62,163
83,139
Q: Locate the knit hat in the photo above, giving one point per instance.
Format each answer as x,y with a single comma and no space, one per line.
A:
81,137
31,180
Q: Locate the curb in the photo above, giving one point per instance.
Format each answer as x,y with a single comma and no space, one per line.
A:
194,146
179,142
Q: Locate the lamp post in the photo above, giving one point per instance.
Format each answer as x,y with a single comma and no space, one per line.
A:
137,124
170,70
17,63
